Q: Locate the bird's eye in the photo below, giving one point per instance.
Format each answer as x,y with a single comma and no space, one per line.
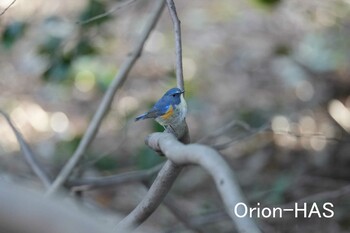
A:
173,95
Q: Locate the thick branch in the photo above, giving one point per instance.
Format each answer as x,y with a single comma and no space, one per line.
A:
8,7
25,210
153,198
170,171
213,163
28,154
107,100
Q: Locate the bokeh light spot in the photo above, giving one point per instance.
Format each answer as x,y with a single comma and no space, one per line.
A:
304,91
127,104
190,68
59,122
85,81
155,42
307,124
37,117
318,142
280,123
340,114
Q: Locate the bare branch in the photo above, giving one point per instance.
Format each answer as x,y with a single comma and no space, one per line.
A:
251,133
309,135
213,163
170,203
107,100
181,132
153,198
28,154
160,186
25,210
178,46
94,183
222,130
170,171
8,7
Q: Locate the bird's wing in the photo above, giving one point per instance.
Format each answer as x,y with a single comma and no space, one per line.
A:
156,111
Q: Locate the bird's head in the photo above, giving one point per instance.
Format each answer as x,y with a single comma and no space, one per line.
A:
173,96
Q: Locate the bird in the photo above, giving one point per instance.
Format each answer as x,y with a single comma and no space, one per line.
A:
170,110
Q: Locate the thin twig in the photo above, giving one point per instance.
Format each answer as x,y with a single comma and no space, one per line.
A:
93,183
328,195
28,154
183,217
114,9
222,130
212,162
8,7
178,46
106,101
252,133
170,203
202,220
309,135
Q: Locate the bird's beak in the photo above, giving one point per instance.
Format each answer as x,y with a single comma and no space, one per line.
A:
182,92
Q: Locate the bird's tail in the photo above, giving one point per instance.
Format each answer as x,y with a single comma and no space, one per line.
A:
141,117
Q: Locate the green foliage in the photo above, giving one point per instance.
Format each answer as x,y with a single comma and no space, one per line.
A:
59,69
147,158
253,117
60,58
105,77
94,8
60,62
157,127
268,3
50,45
84,47
13,32
65,149
107,163
279,187
282,50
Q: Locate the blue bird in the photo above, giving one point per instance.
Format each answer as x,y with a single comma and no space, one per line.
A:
170,110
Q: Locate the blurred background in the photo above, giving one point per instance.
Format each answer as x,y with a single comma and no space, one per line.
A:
283,62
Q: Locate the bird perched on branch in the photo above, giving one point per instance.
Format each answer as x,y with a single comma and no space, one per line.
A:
170,110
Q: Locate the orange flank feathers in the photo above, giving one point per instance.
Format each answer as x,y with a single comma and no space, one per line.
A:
169,113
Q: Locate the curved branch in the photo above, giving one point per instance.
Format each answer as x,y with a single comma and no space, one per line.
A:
170,171
28,154
153,198
214,164
106,101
